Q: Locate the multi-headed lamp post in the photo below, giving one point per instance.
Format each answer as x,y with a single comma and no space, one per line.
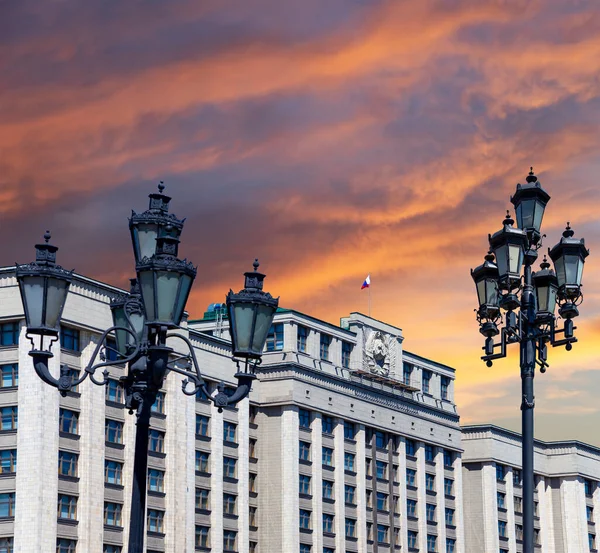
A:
143,320
501,287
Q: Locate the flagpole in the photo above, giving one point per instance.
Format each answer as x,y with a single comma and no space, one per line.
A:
369,300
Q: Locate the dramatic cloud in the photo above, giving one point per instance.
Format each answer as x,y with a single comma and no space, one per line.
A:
330,139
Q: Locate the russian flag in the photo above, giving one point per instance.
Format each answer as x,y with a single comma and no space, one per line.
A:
366,283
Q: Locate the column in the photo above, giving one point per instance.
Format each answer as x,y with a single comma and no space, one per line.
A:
458,500
243,472
510,509
216,481
546,517
361,489
421,498
289,484
490,508
441,499
572,494
90,505
402,494
36,482
316,429
339,486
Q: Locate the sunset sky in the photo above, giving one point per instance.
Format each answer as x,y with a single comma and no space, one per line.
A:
331,139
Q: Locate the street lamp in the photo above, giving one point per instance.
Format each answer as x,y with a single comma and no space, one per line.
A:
535,295
142,320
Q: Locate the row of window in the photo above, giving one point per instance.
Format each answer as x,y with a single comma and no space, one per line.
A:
426,376
517,503
275,343
503,531
203,464
203,429
229,539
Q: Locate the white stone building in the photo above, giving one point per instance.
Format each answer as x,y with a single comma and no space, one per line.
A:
347,443
567,496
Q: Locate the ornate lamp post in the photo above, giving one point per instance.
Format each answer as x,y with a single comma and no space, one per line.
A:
142,321
510,284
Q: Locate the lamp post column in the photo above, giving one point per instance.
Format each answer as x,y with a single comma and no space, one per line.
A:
527,360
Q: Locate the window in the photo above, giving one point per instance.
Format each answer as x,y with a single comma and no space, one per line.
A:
74,374
67,507
252,448
252,520
448,458
9,334
327,457
430,482
324,346
349,430
412,539
411,476
304,452
328,550
536,509
9,376
350,528
68,421
346,352
10,417
589,511
275,337
156,480
69,338
302,338
327,424
430,512
411,448
383,533
382,469
501,499
450,545
305,548
252,482
426,381
158,406
304,484
202,536
107,549
592,541
7,505
448,486
327,489
500,472
157,441
112,514
350,494
229,431
445,386
429,453
229,504
327,523
382,501
516,477
304,519
431,543
202,499
411,508
64,545
201,394
202,461
406,373
369,467
202,425
589,487
304,418
229,540
502,529
518,531
113,472
252,412
380,440
449,517
349,459
369,496
114,391
229,467
67,463
8,462
518,504
113,431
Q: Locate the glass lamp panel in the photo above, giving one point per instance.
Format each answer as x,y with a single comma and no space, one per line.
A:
515,258
551,299
579,271
481,294
491,292
167,284
502,260
119,319
137,321
542,297
519,214
56,296
146,280
146,239
525,214
33,290
559,267
184,292
243,314
573,274
538,215
264,318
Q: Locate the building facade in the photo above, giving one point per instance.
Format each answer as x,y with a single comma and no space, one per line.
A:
347,443
567,496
